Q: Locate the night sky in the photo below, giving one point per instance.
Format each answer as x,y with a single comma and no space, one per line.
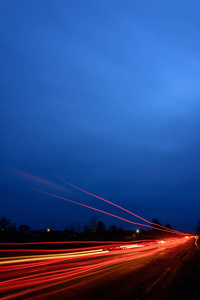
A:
106,95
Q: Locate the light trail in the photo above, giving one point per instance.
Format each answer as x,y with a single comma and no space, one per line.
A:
34,270
156,226
70,255
32,273
47,182
64,242
102,211
120,207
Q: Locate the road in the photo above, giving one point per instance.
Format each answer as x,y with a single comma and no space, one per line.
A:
168,269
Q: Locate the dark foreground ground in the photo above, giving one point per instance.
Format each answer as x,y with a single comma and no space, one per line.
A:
170,274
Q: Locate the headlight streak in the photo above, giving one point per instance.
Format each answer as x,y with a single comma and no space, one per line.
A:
131,246
48,257
50,270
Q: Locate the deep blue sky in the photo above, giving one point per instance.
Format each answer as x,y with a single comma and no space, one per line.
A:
106,95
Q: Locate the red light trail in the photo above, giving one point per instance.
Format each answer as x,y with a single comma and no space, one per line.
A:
25,270
156,226
120,207
24,274
104,212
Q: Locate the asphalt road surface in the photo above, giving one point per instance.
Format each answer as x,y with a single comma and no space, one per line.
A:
148,270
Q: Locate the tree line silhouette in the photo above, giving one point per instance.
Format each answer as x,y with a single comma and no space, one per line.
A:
93,229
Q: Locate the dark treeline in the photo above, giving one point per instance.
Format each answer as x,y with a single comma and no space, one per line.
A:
94,229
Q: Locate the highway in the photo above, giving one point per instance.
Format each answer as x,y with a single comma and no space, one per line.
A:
95,270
